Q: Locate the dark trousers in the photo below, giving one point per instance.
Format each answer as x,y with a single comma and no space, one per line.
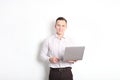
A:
61,74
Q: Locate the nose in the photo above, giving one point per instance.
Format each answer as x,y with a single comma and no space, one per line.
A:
60,27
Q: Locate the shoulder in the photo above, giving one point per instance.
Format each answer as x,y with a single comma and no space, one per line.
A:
71,40
68,38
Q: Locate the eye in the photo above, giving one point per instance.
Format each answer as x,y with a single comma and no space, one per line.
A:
58,25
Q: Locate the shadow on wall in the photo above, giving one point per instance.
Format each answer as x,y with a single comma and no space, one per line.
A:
52,27
45,64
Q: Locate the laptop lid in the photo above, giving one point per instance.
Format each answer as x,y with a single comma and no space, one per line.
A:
73,53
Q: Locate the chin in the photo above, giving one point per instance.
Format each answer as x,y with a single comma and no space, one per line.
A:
60,33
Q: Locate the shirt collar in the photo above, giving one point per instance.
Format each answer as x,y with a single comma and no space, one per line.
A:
64,36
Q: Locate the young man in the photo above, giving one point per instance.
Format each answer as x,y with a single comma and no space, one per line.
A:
53,51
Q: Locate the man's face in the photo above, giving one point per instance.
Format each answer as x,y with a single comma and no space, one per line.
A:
60,27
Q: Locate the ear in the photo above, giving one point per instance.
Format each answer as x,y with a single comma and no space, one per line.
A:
55,25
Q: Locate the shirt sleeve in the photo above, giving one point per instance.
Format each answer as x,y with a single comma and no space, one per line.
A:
44,51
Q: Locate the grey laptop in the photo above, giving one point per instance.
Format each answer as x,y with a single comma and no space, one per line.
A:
73,53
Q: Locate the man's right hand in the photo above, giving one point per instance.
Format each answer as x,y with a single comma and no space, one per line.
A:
54,60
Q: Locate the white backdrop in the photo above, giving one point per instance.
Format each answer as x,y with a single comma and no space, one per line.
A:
24,24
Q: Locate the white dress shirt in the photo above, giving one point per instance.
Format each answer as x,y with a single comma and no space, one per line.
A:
55,47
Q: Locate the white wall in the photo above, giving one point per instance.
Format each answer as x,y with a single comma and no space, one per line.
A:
24,24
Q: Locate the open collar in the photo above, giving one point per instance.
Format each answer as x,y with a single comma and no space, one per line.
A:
64,36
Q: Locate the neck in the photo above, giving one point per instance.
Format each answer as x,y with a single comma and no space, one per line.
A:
60,36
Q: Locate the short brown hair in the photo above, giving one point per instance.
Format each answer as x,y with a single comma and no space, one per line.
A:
61,18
